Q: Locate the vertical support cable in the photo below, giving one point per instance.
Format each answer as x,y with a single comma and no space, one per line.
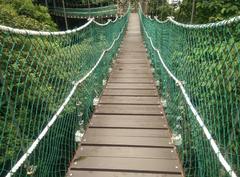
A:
54,4
65,17
193,11
46,3
88,9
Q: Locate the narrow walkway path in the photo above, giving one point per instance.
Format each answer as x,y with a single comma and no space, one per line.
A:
128,135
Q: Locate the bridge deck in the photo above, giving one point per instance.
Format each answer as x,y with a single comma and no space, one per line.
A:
128,134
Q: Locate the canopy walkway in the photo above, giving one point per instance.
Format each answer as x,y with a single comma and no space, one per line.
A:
128,133
78,103
97,12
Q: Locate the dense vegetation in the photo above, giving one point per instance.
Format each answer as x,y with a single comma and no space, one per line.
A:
24,14
205,10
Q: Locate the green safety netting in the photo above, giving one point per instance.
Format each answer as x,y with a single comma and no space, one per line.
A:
206,61
110,10
77,3
38,71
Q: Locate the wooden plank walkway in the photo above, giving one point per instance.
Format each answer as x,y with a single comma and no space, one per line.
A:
128,135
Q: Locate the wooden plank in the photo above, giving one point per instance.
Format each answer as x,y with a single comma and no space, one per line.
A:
129,100
130,80
133,45
151,118
133,121
127,164
142,86
132,67
127,141
132,56
79,173
161,133
133,39
128,123
140,50
133,61
126,92
131,64
126,152
131,75
129,109
132,71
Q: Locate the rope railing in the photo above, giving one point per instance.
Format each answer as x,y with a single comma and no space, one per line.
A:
173,52
44,33
42,72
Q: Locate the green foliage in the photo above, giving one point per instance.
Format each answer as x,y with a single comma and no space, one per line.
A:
208,11
205,11
217,10
160,8
24,14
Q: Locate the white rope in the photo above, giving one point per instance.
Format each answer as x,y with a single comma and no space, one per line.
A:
161,21
43,33
109,20
103,24
208,25
200,26
196,114
54,118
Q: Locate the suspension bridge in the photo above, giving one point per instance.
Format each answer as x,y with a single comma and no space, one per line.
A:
106,11
132,97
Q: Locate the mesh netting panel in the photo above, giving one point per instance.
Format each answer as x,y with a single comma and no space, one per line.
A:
37,73
206,58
